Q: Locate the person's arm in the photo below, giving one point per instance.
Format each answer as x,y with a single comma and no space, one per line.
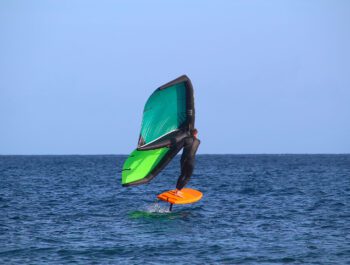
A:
195,145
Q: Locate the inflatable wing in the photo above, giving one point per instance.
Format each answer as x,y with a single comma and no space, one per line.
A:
168,112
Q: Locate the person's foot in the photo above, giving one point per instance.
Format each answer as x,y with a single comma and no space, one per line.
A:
179,193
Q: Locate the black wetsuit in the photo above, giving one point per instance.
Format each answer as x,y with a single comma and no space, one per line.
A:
190,145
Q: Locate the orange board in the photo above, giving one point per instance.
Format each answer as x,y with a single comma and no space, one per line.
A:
189,196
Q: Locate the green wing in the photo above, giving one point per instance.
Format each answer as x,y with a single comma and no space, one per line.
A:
141,163
164,112
170,109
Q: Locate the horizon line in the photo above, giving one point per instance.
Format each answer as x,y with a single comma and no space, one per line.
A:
177,154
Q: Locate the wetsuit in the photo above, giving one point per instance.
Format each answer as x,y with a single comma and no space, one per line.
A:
190,145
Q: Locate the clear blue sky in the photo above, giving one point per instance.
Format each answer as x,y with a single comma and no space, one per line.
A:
269,76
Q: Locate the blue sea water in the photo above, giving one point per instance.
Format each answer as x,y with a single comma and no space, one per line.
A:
256,209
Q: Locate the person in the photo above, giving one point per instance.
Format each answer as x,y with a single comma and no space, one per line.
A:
190,144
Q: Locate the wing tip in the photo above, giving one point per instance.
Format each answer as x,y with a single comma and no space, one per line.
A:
180,79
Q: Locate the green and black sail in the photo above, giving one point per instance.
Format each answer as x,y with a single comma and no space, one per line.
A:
168,112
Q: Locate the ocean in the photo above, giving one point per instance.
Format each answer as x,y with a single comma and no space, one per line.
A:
256,209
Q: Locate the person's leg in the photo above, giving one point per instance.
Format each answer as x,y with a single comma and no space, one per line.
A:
179,186
185,176
180,181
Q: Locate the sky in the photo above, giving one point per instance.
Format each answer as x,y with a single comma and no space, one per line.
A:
269,76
